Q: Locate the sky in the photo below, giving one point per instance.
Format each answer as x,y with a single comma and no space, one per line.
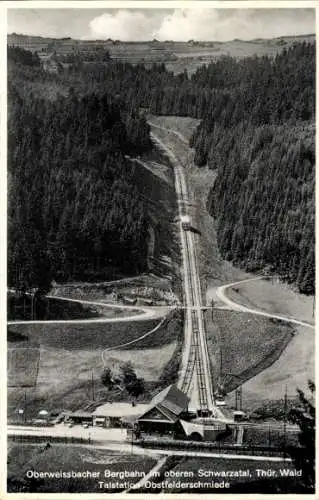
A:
163,24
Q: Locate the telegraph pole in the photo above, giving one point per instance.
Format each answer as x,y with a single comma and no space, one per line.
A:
25,406
93,398
285,421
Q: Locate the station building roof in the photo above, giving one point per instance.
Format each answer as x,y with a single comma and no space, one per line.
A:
167,405
119,410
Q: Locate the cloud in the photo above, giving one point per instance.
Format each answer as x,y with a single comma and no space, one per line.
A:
202,24
123,25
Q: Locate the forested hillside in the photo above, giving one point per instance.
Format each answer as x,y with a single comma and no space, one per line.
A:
260,137
257,130
74,211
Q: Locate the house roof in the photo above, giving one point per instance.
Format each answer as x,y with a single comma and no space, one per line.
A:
171,402
119,410
81,414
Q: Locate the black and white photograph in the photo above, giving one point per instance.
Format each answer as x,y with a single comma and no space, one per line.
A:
160,248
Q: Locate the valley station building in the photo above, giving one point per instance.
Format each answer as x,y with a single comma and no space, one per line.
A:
164,412
168,414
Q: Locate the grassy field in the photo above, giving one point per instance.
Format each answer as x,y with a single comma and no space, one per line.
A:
247,344
274,297
85,336
60,375
65,381
177,56
24,457
293,369
22,364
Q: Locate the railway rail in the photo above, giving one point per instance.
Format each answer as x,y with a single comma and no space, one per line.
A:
195,375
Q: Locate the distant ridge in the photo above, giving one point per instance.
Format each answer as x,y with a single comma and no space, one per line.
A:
177,56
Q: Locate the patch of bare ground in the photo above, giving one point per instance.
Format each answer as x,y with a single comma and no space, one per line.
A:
145,287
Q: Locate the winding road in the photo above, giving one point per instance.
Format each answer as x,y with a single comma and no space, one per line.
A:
221,294
142,314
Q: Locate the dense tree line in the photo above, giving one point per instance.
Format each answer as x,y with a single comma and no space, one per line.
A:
255,130
260,137
24,57
74,210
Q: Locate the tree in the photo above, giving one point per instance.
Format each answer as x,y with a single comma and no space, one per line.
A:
107,378
304,456
133,384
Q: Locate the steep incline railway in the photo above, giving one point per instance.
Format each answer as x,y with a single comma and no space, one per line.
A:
195,377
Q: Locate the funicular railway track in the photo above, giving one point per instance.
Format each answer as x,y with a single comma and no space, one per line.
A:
196,362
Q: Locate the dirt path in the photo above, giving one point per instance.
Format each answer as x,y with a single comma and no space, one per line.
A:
133,341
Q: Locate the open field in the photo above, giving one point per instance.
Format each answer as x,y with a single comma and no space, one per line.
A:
84,336
65,377
22,364
61,373
177,56
272,296
23,457
247,344
293,369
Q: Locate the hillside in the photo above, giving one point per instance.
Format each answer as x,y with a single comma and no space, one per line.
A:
177,56
259,135
257,132
74,209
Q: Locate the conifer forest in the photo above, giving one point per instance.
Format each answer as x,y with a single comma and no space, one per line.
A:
74,210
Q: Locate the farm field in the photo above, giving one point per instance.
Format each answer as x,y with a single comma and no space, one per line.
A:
177,56
23,457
